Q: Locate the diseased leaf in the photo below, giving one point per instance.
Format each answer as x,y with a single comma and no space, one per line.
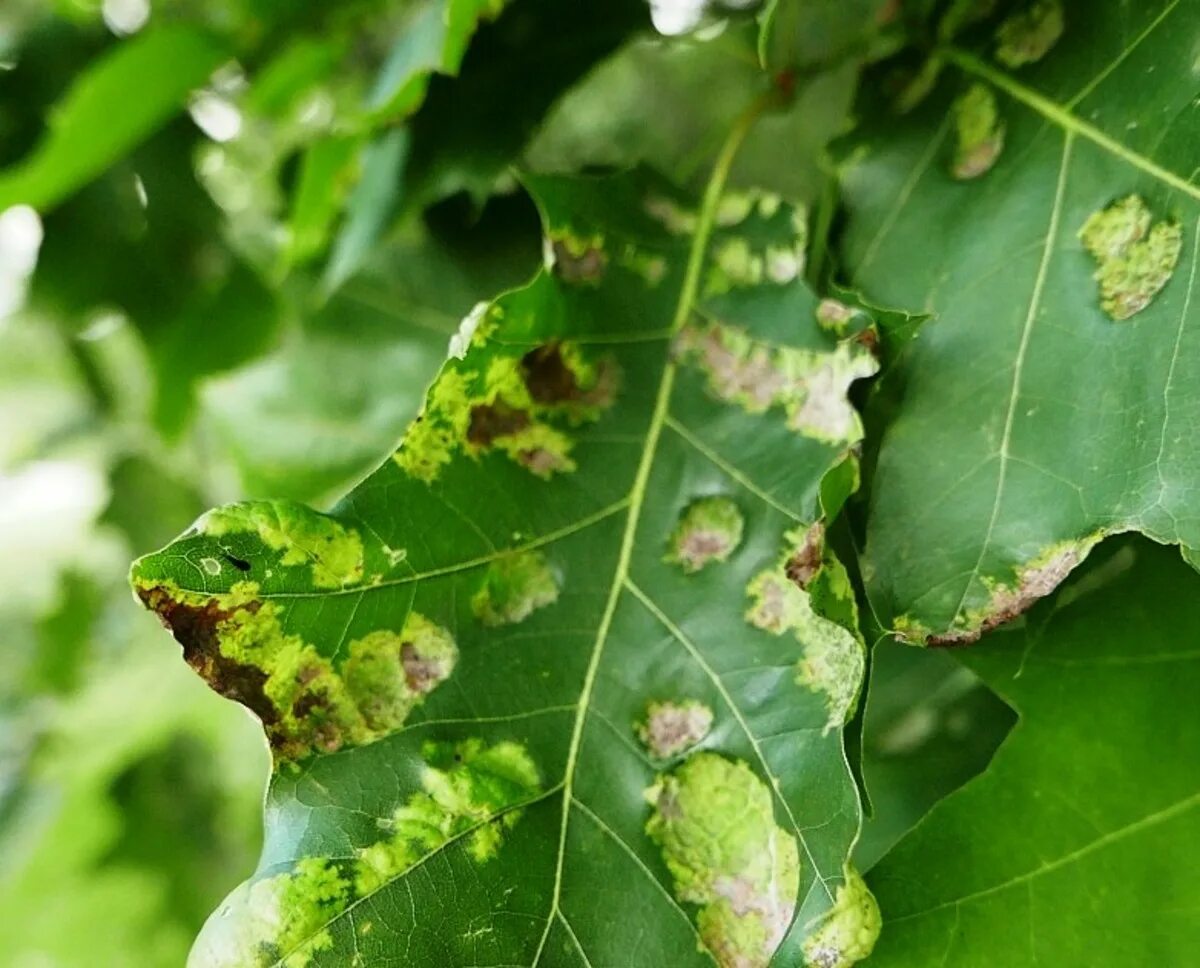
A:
109,110
305,421
1047,404
459,666
1071,848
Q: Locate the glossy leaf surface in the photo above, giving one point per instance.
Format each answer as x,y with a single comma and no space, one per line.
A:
585,575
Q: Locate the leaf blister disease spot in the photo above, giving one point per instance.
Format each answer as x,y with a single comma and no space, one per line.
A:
671,729
713,819
848,933
1028,35
334,551
811,387
1034,581
1135,259
577,261
833,659
237,643
709,529
469,791
518,406
514,587
979,133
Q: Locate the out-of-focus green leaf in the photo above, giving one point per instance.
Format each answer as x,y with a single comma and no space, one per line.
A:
473,126
798,34
1048,403
92,875
326,174
111,108
63,637
232,325
433,40
370,207
654,102
1072,848
587,528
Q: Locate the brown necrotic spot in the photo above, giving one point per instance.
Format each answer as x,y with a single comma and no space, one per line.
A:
577,261
492,420
556,378
1035,581
196,629
803,564
547,376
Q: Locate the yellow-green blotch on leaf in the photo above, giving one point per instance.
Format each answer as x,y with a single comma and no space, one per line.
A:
673,728
1027,35
1135,260
514,586
811,387
715,822
709,529
469,788
305,537
833,661
979,133
848,933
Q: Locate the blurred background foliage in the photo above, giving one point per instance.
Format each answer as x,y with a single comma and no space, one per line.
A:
235,239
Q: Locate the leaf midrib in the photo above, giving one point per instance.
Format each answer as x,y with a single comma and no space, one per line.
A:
637,493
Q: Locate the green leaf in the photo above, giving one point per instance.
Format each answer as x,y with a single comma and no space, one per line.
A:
312,417
803,33
554,666
222,329
1046,406
326,173
434,40
654,102
1072,849
110,109
471,127
929,726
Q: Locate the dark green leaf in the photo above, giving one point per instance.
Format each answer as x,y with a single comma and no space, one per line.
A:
929,726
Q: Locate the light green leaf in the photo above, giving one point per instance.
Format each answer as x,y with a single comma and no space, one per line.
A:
1047,404
1073,848
111,108
327,172
433,40
459,666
